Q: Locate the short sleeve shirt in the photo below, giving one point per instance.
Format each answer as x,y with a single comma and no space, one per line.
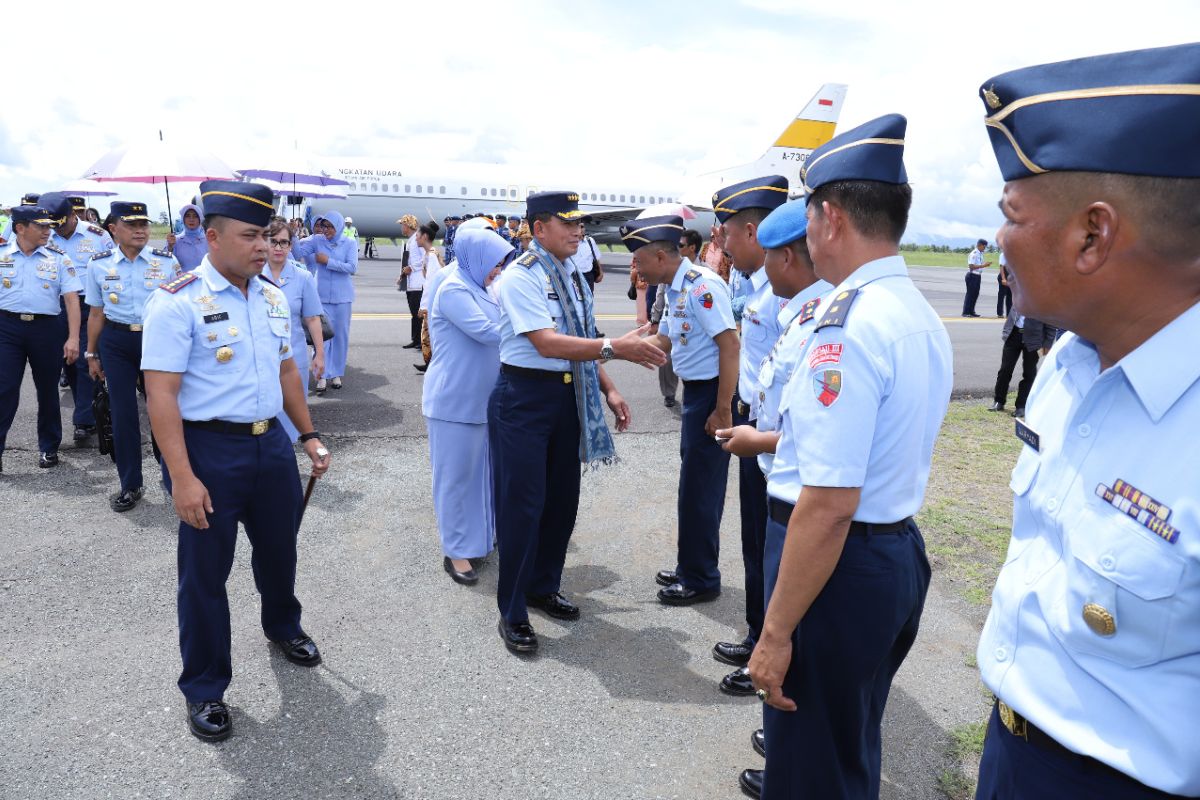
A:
697,310
529,302
32,284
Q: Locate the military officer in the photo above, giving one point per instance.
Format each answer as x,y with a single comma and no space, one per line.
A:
545,416
844,562
32,279
119,282
217,355
697,329
79,242
28,199
1092,645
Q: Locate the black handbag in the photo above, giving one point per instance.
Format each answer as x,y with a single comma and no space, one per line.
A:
104,431
403,263
632,293
326,330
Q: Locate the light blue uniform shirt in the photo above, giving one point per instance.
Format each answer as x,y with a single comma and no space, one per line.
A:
120,287
229,347
867,398
299,286
796,321
528,302
697,309
85,242
760,331
1106,521
32,284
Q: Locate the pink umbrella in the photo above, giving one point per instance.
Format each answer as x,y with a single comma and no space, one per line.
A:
668,210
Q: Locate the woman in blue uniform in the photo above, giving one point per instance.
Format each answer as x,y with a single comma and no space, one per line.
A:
334,260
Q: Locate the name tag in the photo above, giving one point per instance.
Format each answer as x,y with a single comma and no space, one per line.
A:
1029,436
221,317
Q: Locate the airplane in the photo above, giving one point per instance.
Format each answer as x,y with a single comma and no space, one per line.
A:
380,193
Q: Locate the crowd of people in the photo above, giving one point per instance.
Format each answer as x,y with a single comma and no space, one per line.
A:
814,360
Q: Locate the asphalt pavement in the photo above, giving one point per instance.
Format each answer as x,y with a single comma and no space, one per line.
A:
417,697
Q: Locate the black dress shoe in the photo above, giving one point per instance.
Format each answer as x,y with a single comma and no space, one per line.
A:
420,367
666,577
47,460
555,605
758,740
518,636
669,402
63,383
751,781
738,683
411,346
996,407
679,595
302,650
1019,413
82,432
209,720
125,499
729,653
466,578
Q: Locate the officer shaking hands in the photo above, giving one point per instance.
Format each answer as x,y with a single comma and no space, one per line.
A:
217,354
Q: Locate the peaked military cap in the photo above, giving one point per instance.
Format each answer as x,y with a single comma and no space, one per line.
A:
30,213
77,203
641,232
59,206
30,199
128,212
769,192
564,205
1136,113
784,225
874,151
251,203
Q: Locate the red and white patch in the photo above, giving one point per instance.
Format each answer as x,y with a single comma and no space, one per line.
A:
699,290
825,354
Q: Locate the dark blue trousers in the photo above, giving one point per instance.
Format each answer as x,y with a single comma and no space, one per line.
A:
1014,769
78,377
974,279
252,480
533,433
752,494
703,473
845,653
40,343
121,359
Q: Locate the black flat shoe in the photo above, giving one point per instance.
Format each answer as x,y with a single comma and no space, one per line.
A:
420,367
738,683
758,740
729,653
209,720
466,578
302,650
666,577
1019,413
82,432
679,595
125,499
47,460
518,636
750,782
555,605
996,407
669,402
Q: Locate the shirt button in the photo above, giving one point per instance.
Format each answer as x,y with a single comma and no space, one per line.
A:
1001,654
1085,430
1108,563
1052,504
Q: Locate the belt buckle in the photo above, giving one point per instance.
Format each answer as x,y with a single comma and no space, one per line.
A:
1013,721
27,318
260,427
135,328
567,377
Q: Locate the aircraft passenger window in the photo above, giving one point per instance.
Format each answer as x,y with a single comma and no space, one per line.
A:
504,192
493,192
441,190
407,188
604,197
418,188
429,190
642,199
374,187
396,188
464,190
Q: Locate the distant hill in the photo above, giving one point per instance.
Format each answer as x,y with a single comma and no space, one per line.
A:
927,239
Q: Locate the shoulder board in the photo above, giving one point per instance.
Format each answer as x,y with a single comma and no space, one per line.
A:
53,248
839,308
96,229
692,275
528,260
268,280
808,310
98,256
161,253
180,282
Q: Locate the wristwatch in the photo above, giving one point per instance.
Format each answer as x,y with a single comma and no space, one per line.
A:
87,355
304,437
606,350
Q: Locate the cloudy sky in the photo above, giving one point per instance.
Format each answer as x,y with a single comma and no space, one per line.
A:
629,88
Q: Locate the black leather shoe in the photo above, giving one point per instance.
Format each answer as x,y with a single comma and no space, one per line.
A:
420,367
209,720
302,650
82,432
555,605
679,595
729,653
125,499
758,740
1019,413
411,346
63,383
738,683
751,781
669,402
518,636
466,578
47,460
996,407
666,577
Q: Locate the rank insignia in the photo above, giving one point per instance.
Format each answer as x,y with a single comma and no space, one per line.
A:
808,310
827,386
707,300
161,254
180,282
224,354
96,230
53,248
212,337
104,254
839,307
528,260
692,274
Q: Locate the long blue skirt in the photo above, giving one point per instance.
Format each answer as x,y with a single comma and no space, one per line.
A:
462,487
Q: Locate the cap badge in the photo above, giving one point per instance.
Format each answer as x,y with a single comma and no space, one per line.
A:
991,98
224,354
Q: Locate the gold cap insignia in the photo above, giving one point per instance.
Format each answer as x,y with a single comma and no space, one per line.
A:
224,354
1099,619
991,98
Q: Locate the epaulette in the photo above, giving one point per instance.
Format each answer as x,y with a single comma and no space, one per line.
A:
96,229
180,282
161,253
835,316
528,260
691,274
53,248
808,310
98,256
268,280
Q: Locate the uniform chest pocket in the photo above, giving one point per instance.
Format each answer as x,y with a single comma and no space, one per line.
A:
1120,593
1023,476
753,330
223,346
8,278
281,328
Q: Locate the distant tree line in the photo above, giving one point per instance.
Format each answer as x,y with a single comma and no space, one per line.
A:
943,248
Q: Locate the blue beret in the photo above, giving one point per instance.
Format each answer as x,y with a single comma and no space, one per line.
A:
769,192
34,214
640,232
1136,113
784,225
874,151
128,212
30,199
564,205
58,204
511,217
251,203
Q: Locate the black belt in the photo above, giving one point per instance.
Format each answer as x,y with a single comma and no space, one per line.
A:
243,428
21,315
122,326
700,381
781,512
541,374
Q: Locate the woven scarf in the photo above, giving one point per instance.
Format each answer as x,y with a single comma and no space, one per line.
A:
595,442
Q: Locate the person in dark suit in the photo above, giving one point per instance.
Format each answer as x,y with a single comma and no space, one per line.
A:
1024,337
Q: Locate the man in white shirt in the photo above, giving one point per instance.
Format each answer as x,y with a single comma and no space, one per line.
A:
975,265
587,262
